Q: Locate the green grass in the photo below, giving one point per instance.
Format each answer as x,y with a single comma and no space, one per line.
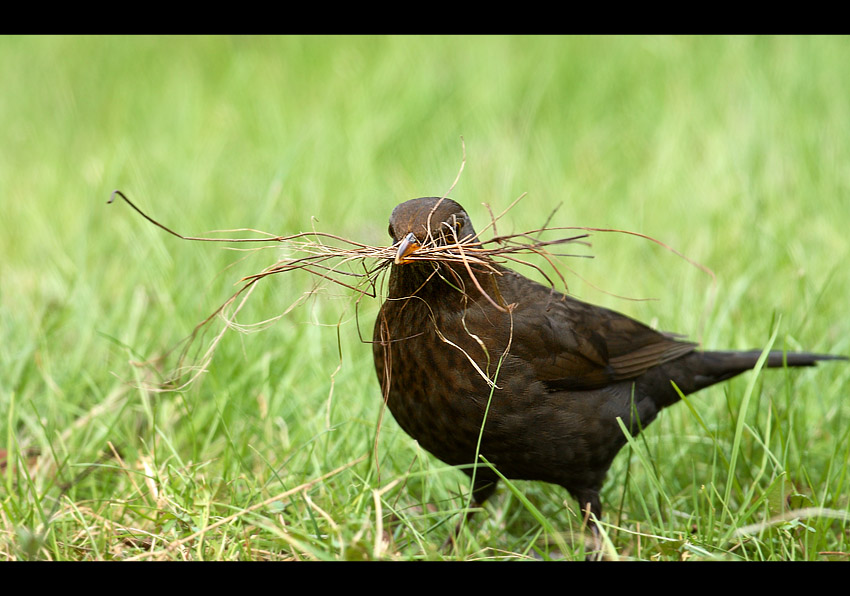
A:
734,151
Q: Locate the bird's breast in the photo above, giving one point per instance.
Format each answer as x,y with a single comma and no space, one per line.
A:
433,376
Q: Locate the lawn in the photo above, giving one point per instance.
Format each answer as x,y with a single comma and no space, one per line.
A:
734,151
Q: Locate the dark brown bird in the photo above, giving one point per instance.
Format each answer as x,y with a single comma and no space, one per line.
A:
563,370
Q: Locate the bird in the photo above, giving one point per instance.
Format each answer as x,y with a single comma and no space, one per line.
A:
481,363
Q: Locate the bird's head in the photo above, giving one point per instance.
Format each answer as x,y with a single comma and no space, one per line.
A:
428,221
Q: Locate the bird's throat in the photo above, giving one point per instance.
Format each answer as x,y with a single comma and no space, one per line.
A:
442,281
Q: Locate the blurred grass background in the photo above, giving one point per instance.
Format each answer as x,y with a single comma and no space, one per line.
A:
733,150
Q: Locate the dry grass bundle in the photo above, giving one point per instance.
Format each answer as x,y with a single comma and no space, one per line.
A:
360,267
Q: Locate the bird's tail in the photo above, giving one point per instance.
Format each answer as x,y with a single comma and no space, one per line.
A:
698,370
738,362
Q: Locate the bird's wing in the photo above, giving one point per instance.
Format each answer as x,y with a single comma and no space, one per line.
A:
581,346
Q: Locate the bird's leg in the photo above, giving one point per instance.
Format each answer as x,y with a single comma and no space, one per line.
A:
592,509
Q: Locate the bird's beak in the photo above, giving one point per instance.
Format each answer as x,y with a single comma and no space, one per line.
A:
408,245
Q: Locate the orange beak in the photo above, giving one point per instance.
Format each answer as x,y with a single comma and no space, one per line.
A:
408,245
